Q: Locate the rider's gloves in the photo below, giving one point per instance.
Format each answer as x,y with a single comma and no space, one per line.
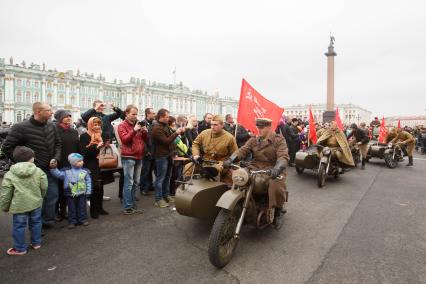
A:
229,162
276,171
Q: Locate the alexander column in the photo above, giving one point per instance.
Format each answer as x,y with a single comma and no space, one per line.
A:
330,113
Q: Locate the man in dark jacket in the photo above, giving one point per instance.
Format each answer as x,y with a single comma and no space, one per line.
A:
42,137
205,124
361,139
148,163
163,138
98,111
242,133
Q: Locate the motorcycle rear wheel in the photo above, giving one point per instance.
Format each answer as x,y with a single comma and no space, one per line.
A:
222,242
321,176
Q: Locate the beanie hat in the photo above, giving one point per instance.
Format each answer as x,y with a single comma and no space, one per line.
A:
61,114
74,158
22,154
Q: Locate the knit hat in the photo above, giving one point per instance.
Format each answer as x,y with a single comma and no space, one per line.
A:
74,158
22,154
61,114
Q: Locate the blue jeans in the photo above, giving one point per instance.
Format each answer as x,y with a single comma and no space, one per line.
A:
20,223
49,201
146,176
163,174
77,213
132,173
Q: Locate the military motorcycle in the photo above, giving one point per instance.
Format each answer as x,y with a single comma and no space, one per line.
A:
245,203
391,153
5,162
421,143
329,165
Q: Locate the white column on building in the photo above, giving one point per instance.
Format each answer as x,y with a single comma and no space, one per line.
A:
67,93
166,102
194,106
55,93
43,90
9,95
101,93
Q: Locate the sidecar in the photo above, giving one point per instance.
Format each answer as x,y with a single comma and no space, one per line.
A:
197,197
307,159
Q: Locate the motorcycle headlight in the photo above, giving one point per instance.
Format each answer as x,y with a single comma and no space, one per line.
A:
326,151
240,177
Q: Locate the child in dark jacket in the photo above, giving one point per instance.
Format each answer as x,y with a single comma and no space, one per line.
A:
77,187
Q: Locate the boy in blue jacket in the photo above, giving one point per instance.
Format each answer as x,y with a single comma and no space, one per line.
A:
77,187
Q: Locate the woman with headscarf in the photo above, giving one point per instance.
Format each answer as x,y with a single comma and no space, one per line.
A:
90,143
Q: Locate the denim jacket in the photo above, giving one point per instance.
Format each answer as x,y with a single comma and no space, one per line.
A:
77,181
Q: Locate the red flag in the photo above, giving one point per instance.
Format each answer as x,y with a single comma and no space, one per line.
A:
383,132
338,120
312,129
253,105
399,123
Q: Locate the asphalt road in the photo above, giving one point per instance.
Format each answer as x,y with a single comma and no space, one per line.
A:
366,227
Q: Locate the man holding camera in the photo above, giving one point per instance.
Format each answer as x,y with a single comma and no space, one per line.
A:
132,135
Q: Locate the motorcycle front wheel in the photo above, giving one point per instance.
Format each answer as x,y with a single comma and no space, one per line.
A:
321,175
390,162
222,242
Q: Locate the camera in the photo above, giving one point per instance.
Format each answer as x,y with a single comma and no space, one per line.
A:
142,123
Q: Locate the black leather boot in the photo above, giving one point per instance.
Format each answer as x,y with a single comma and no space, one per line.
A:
410,161
363,165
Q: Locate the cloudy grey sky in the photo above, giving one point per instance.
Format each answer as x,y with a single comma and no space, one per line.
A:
278,46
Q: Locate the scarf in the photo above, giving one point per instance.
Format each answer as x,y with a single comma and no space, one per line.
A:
95,135
64,126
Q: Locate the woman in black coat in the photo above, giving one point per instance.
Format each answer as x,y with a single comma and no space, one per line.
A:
70,144
90,142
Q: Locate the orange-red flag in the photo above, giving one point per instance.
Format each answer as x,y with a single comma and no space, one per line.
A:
253,105
338,120
399,123
383,132
312,129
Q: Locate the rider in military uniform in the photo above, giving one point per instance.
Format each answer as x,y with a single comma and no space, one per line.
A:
214,144
407,141
361,139
334,138
269,150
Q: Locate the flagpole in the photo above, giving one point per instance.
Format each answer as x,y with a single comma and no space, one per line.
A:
309,136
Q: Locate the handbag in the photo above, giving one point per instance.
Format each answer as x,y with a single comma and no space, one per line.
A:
107,158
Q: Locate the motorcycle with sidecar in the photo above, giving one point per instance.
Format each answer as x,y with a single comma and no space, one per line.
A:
322,160
245,202
392,153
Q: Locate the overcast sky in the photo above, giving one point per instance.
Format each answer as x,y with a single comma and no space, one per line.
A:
278,46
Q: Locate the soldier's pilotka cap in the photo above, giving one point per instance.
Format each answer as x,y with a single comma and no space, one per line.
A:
263,122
